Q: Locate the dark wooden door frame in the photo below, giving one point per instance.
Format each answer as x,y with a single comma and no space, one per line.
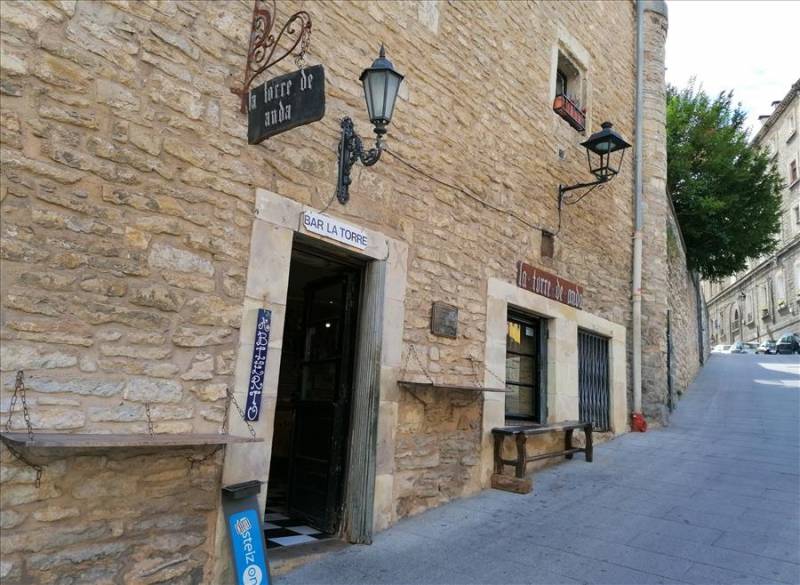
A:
330,520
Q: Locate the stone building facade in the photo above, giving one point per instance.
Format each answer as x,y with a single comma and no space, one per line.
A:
141,234
762,302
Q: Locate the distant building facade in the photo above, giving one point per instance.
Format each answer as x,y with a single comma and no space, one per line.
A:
763,301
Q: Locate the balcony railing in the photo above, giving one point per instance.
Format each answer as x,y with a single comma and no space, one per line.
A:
569,110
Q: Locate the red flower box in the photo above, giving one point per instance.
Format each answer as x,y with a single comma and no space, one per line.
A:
568,110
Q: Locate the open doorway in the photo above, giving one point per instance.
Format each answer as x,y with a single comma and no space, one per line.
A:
312,416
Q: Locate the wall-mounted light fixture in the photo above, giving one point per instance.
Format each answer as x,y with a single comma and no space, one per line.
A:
381,84
604,163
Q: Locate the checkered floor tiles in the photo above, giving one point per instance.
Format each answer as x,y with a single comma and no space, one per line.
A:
281,530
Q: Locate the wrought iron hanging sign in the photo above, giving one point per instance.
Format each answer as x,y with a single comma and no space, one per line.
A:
287,101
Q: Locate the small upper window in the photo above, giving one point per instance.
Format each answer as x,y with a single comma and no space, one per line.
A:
792,171
791,126
570,92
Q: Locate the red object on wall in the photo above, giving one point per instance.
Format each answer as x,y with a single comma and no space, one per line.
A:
638,423
570,111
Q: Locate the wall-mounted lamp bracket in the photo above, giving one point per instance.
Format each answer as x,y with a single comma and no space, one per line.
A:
351,150
564,199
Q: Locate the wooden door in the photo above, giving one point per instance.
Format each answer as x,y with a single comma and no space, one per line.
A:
321,402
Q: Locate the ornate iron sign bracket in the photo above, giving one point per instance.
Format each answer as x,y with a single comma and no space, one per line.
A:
263,43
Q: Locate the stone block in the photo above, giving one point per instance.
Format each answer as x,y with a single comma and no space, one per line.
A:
212,310
159,297
201,337
168,257
150,390
23,357
512,484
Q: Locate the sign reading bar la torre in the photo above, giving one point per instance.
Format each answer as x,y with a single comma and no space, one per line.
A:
330,227
548,285
286,102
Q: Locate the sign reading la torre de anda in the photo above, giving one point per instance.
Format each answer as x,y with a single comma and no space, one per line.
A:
549,285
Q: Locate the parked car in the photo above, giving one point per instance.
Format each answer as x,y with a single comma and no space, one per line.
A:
789,344
744,347
721,349
768,347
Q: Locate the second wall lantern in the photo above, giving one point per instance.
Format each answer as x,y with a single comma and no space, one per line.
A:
381,83
604,151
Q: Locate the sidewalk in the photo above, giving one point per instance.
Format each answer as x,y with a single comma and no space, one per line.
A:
714,498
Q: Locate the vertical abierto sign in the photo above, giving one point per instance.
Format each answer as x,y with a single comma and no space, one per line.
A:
258,365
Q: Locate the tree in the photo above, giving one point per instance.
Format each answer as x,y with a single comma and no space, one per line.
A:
725,190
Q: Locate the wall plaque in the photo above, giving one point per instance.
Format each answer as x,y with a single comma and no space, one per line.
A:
258,365
286,102
444,320
548,285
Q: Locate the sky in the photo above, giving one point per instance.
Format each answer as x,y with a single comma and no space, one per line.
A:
751,47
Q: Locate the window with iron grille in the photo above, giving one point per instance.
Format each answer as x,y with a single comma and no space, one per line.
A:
593,380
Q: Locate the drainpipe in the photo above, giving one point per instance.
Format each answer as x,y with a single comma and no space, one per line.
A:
659,7
637,224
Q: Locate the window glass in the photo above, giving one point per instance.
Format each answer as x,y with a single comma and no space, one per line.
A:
780,287
522,367
561,83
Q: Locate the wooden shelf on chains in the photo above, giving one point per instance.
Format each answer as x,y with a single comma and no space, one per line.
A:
84,440
429,385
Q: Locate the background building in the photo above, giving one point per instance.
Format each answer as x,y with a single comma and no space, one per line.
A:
141,234
763,301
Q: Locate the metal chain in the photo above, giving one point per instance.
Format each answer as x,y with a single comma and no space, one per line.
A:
22,459
475,372
19,393
300,60
197,460
149,418
412,352
225,414
232,398
491,373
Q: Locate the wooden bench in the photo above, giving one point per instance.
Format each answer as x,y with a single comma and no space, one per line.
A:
521,433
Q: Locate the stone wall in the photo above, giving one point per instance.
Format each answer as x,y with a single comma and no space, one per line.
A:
437,454
670,292
133,517
127,201
687,315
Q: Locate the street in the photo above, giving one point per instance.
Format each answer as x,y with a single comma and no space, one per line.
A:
713,498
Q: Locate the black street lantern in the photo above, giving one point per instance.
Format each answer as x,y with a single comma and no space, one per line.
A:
603,144
381,84
603,163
